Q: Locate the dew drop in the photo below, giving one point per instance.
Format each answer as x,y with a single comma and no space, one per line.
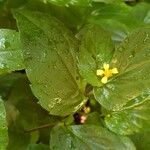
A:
58,100
2,43
51,106
147,38
114,60
95,13
66,5
2,65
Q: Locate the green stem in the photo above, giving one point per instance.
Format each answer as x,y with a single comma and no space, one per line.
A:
38,128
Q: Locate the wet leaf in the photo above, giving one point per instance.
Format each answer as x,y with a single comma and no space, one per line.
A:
132,61
50,52
11,57
120,19
132,118
89,137
70,2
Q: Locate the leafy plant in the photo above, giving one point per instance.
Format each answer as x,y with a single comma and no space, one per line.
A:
74,75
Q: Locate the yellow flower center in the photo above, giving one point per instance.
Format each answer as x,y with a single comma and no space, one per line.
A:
106,73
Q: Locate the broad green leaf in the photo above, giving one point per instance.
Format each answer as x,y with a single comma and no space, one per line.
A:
132,61
141,140
131,119
11,58
3,127
50,53
89,137
38,147
96,49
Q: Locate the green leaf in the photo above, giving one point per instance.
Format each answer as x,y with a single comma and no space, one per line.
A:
94,118
73,16
2,4
132,61
23,114
37,147
111,17
6,83
15,3
118,30
87,137
50,53
108,1
96,49
139,16
11,58
120,19
141,141
110,11
3,127
70,2
132,118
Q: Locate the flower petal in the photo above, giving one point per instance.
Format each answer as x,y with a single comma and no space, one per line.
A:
106,66
99,72
114,70
104,80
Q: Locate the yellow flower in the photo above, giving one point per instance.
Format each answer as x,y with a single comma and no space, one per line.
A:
106,73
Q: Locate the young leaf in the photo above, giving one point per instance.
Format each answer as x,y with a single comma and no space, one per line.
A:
132,61
96,49
49,52
87,137
11,58
3,127
131,119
